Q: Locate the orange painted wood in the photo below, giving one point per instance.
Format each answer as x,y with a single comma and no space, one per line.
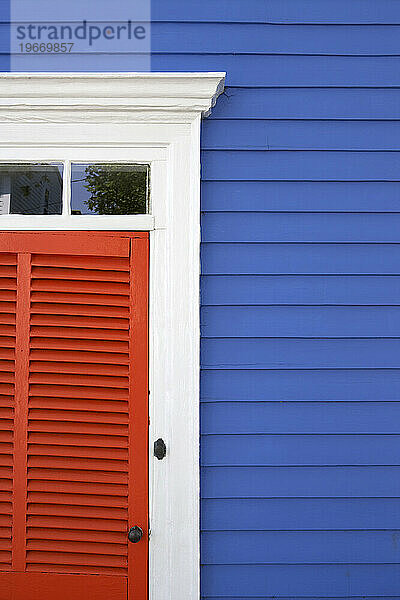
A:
69,299
73,415
92,368
36,586
68,243
139,417
80,262
21,412
79,274
94,287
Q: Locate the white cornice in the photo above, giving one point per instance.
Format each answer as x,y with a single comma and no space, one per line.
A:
24,94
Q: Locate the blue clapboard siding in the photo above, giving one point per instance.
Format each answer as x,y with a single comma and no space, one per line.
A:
262,38
291,353
300,514
245,70
231,290
280,385
300,291
278,11
238,134
301,258
291,70
302,322
314,102
300,294
302,450
300,165
295,227
293,547
4,35
303,196
314,580
323,481
253,417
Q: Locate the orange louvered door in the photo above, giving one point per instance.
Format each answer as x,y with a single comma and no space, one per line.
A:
8,297
73,415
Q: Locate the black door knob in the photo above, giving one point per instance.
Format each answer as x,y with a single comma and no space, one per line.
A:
135,534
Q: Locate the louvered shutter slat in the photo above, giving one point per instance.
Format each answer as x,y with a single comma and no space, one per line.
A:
74,442
8,296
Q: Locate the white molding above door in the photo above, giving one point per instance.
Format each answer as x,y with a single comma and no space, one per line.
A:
153,95
152,118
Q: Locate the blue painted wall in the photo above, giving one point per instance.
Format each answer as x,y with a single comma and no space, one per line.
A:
300,291
4,35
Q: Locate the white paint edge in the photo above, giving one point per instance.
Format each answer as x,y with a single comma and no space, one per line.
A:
76,222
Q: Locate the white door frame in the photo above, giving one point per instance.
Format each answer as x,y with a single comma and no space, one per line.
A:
151,118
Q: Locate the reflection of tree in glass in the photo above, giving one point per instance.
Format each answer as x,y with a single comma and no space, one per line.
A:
116,190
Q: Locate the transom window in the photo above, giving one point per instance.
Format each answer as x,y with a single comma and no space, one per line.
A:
74,188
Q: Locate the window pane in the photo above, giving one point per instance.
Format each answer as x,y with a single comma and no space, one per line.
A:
109,189
31,189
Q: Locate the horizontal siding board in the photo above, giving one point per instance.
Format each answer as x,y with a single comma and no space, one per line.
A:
294,227
274,39
338,385
80,62
252,70
340,11
309,103
300,417
296,514
300,547
297,289
323,196
255,10
300,165
323,581
292,353
303,321
300,449
257,134
301,482
318,259
258,38
286,11
289,70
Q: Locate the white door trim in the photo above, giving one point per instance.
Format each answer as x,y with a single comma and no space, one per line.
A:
155,118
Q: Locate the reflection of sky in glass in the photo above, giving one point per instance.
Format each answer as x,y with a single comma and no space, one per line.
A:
80,195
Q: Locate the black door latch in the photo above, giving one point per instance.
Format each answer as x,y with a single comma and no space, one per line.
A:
135,534
160,449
